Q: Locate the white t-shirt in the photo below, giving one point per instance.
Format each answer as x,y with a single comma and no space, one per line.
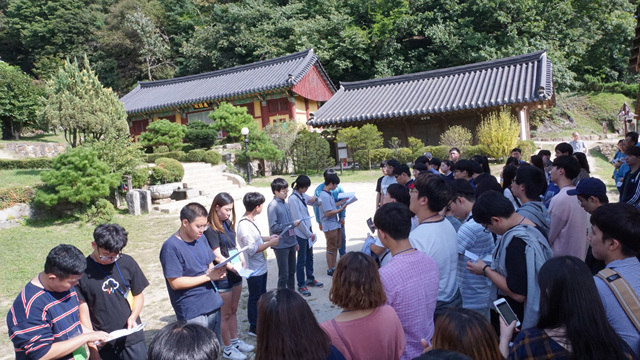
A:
440,241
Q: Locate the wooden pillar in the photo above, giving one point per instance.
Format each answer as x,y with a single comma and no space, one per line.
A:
523,120
178,118
292,108
306,107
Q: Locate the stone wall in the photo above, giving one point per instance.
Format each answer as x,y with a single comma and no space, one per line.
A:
33,150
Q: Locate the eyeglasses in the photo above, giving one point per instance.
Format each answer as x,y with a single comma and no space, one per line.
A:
202,228
486,228
448,207
109,258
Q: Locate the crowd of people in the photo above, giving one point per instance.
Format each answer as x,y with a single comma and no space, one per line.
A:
450,241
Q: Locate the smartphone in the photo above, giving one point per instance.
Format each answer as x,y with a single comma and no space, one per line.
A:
506,312
371,226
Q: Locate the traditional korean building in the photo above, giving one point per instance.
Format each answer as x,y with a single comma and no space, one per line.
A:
423,105
288,87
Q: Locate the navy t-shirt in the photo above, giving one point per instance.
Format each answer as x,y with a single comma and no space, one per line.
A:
180,258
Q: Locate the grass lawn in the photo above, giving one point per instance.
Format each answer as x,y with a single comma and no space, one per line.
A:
20,177
45,138
365,176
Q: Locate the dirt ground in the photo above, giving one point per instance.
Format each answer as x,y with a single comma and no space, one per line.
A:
158,312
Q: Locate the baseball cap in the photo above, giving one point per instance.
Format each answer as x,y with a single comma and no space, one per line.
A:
589,186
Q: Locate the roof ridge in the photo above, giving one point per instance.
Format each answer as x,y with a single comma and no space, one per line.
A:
299,54
448,71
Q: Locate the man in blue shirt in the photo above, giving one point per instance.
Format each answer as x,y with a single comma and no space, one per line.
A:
342,214
187,264
614,239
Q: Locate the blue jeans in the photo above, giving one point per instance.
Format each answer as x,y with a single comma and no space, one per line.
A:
257,286
286,259
343,244
305,260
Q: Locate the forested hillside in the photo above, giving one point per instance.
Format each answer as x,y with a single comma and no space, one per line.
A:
132,40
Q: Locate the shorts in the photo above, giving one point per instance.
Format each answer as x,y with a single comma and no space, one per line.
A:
334,238
232,279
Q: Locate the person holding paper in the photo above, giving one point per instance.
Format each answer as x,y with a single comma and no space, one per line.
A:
221,236
298,206
254,257
43,322
111,294
329,219
187,265
281,223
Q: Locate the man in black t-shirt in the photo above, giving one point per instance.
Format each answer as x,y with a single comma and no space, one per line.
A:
111,296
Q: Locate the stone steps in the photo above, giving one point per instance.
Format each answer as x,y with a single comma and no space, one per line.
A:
206,178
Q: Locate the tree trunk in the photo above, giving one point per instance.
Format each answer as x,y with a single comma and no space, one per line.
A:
16,129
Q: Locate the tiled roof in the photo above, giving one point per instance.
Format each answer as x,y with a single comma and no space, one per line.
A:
282,72
519,79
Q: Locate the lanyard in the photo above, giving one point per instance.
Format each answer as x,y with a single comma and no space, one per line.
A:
300,197
55,306
109,277
228,233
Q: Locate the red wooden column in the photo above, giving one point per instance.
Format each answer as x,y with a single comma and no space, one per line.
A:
292,108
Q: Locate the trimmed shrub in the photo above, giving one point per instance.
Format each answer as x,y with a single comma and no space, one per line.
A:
163,132
195,155
528,148
440,151
200,134
188,147
361,158
100,213
166,171
176,155
310,151
212,157
404,155
34,163
471,150
76,177
139,177
161,149
378,155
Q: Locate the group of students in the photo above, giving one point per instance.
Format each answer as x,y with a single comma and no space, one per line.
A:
448,243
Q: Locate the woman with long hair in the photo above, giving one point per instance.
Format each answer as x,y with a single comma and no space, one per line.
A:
298,202
584,167
222,240
356,331
467,332
508,174
572,323
288,330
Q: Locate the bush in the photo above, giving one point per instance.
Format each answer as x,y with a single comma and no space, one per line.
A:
310,151
212,157
195,155
498,133
378,155
35,163
121,154
595,84
139,177
416,146
176,155
362,159
456,136
471,150
166,171
187,147
200,135
440,151
161,149
528,148
404,155
100,213
16,195
77,177
163,132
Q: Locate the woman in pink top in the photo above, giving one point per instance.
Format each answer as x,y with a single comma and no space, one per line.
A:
366,328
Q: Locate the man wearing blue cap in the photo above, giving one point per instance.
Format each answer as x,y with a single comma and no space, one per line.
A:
591,193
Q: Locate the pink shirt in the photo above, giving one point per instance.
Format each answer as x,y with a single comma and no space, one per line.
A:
411,282
569,221
378,335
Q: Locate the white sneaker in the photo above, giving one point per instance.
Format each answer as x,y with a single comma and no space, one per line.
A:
244,347
234,354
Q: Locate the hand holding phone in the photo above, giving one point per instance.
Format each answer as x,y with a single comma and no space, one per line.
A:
505,311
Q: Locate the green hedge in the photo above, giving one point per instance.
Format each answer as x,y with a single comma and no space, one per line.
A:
211,157
33,163
167,170
439,151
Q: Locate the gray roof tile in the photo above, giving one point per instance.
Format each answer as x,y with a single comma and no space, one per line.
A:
514,80
282,72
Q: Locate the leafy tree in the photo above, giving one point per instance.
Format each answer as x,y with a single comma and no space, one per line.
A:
77,177
282,134
121,154
416,146
163,133
77,102
19,101
365,138
232,119
200,134
498,133
310,151
155,49
456,136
